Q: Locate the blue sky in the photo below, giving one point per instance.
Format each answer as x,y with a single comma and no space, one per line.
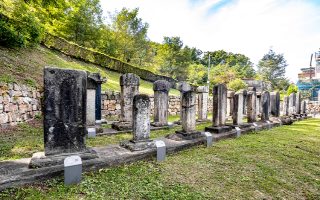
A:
249,27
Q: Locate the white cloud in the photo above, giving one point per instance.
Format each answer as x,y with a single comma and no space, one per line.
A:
249,27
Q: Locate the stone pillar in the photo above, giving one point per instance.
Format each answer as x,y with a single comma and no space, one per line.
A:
188,114
303,107
65,103
141,109
182,87
251,107
203,93
161,90
94,81
244,92
265,100
275,104
285,106
292,104
259,103
230,96
237,108
298,103
219,107
129,88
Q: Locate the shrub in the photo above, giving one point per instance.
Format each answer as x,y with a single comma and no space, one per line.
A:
237,85
9,37
38,116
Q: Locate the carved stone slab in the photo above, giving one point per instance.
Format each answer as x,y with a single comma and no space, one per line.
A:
161,104
275,104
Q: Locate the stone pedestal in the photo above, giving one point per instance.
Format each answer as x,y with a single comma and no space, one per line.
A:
285,106
188,115
298,103
182,87
203,93
265,100
161,90
141,124
129,88
230,95
251,107
219,94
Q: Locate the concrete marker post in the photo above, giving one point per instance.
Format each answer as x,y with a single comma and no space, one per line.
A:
170,125
91,132
209,139
72,170
255,128
280,122
238,132
161,150
269,125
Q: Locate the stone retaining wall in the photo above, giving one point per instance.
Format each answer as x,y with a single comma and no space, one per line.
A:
18,103
110,107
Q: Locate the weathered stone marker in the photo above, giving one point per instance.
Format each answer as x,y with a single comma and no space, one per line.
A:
251,107
259,103
72,170
298,103
219,94
285,106
129,88
65,95
265,100
161,90
244,92
141,124
230,96
161,151
203,93
237,108
188,114
303,109
182,87
209,139
292,105
238,132
99,81
275,104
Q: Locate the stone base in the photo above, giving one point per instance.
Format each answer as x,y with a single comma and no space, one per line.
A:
139,145
121,126
177,122
39,159
181,135
274,119
98,128
222,129
229,117
241,126
203,120
158,124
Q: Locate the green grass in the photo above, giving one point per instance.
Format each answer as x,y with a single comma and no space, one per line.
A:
281,163
25,66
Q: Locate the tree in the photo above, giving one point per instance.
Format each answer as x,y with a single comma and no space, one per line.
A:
237,85
272,67
292,89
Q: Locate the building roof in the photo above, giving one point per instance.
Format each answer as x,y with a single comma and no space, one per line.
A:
308,69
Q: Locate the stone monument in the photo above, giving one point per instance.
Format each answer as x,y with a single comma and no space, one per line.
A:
230,96
203,93
141,124
129,88
292,105
188,115
244,92
298,103
100,80
219,94
285,106
275,104
182,87
258,103
65,98
251,107
265,101
303,109
161,90
238,111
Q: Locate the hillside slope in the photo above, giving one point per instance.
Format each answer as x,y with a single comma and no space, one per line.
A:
25,66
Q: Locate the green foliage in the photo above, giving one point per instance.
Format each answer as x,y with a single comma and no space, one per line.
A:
38,116
9,36
272,67
30,82
292,89
237,85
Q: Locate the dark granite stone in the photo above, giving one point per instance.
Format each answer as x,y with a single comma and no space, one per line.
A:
298,103
251,107
275,104
65,94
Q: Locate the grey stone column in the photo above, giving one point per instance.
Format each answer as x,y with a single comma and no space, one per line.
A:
292,104
203,93
275,104
298,103
129,88
65,103
303,107
219,107
265,100
251,107
237,108
244,92
141,109
182,87
161,90
285,106
230,96
259,103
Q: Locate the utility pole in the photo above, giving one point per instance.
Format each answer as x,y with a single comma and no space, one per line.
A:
209,72
311,65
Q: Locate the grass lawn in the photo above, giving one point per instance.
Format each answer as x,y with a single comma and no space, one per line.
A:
281,163
25,66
